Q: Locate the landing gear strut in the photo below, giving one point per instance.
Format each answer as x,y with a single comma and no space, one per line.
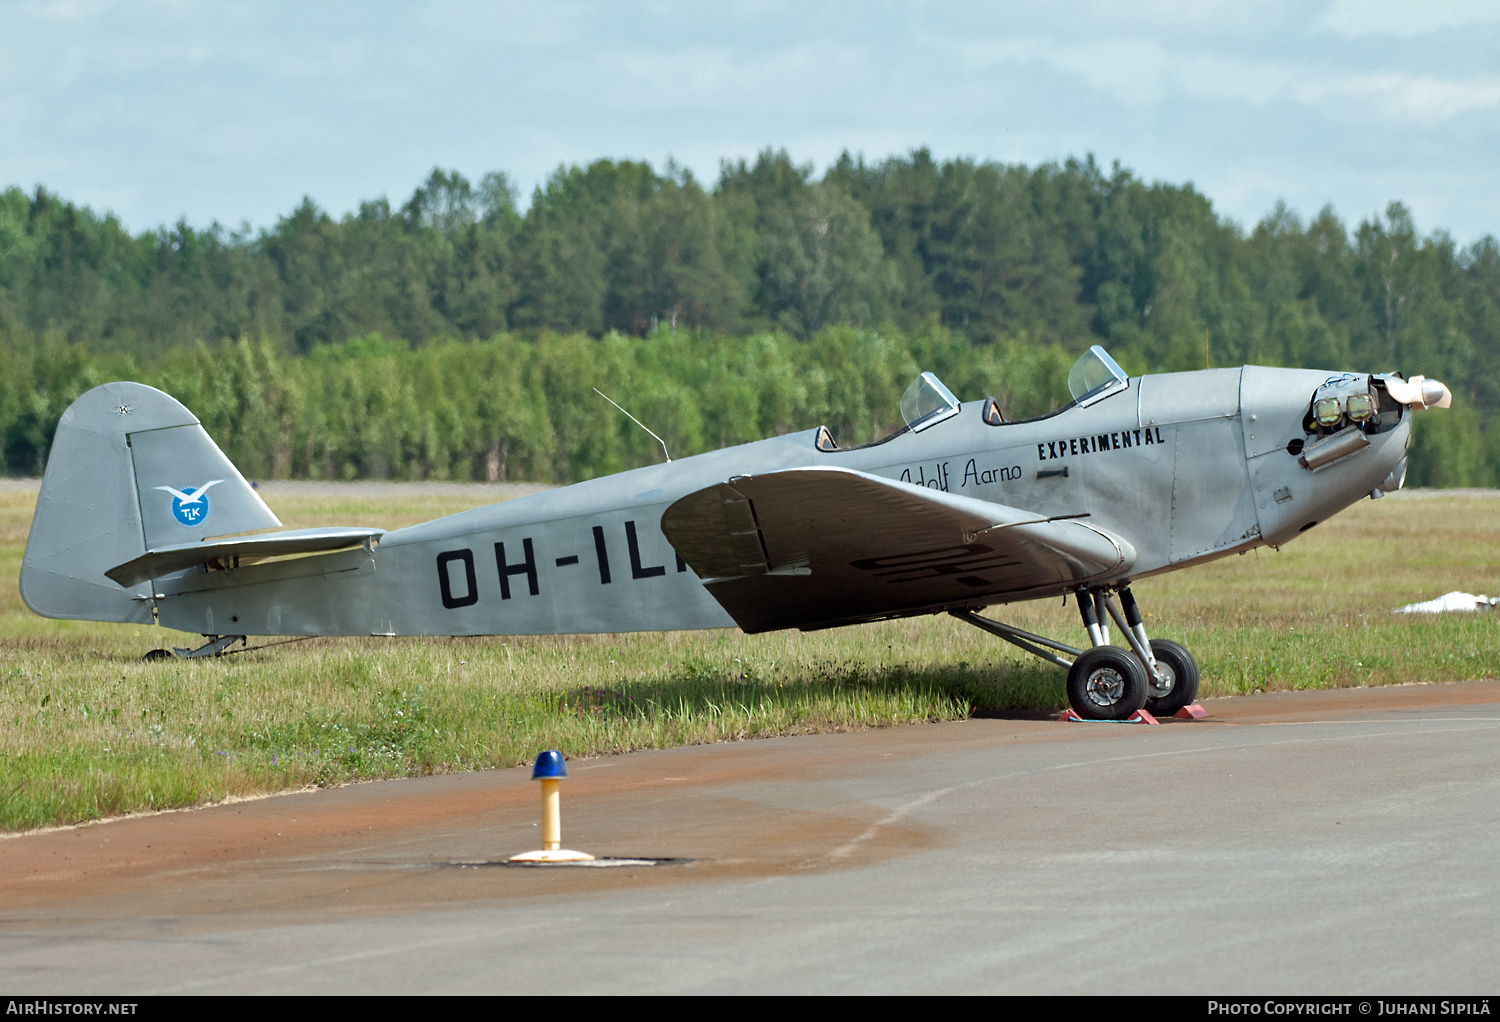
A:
1107,682
215,646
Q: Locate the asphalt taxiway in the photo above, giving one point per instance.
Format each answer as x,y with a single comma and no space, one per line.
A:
1330,842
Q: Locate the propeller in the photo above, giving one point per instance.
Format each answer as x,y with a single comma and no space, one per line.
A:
1419,392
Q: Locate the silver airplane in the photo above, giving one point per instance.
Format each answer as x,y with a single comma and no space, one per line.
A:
142,518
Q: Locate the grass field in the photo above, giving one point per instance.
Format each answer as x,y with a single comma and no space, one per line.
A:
88,730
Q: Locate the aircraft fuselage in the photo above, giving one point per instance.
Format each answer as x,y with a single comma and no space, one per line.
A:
1186,466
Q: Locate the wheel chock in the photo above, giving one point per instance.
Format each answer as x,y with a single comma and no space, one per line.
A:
1191,712
1138,717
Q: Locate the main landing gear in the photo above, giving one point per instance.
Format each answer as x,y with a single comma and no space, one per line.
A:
1108,682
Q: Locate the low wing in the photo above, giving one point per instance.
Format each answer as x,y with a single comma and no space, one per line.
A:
165,560
815,547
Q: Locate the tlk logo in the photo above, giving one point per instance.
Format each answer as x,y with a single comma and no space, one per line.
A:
190,508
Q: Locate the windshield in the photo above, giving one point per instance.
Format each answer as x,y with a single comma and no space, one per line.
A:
926,403
1094,376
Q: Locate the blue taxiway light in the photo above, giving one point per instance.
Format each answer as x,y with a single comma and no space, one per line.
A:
549,766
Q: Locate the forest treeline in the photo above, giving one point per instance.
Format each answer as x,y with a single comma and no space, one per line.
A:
458,336
514,408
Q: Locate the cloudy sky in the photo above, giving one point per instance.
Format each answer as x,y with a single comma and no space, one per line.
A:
160,109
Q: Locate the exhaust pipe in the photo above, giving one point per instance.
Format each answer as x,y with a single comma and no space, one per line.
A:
1325,452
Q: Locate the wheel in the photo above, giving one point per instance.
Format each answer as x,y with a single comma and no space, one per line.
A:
157,654
1107,683
1180,677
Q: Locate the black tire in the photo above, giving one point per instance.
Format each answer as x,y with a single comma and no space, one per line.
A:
157,654
1177,664
1107,683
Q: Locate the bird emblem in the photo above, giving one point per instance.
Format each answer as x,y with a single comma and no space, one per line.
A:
190,507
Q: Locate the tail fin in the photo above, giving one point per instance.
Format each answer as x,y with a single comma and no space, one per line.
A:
131,470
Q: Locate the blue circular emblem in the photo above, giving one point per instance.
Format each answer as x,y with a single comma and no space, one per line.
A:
194,512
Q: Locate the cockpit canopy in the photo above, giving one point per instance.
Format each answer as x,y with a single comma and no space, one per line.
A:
926,403
1095,376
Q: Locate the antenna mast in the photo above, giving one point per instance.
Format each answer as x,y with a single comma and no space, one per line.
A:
638,422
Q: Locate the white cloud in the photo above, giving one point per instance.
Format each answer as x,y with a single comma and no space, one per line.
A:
1140,72
65,10
1134,71
1417,99
1143,72
1355,18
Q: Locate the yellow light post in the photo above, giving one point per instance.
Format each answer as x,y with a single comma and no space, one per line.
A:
550,769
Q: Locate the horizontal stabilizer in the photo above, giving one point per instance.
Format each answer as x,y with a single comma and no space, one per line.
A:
815,547
167,559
